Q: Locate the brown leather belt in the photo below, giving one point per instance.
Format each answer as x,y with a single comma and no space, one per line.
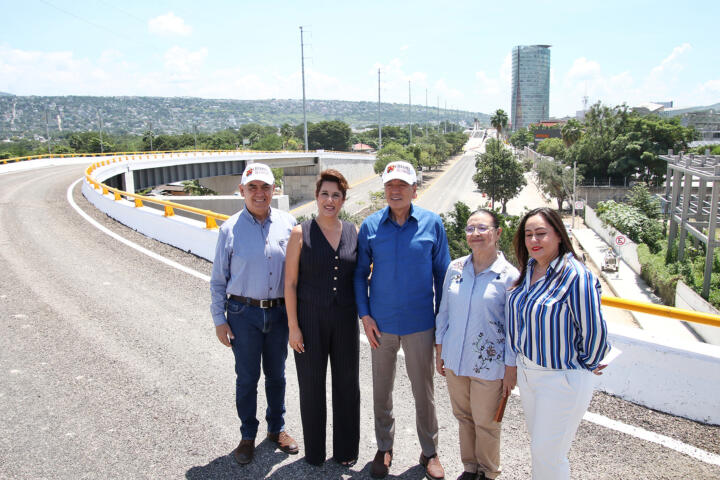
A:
269,303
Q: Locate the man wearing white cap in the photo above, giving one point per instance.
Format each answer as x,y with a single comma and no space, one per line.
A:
408,249
248,308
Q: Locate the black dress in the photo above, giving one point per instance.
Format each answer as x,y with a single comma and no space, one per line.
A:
327,317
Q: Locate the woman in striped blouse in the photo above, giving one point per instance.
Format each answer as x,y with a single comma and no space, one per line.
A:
558,334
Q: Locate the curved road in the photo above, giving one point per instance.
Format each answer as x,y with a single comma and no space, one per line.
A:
110,369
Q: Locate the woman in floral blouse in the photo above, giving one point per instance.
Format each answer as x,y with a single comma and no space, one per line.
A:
470,344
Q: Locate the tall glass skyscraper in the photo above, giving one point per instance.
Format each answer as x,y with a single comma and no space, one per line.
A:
530,85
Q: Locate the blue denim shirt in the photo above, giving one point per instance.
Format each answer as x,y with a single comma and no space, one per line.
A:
471,321
249,259
409,263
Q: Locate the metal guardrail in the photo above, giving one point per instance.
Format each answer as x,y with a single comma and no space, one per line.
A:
210,216
662,310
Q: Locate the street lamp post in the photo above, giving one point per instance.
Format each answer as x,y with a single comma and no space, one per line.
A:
574,192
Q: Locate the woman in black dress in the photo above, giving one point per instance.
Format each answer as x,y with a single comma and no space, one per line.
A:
322,320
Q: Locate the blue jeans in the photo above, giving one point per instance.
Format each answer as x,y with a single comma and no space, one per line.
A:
260,335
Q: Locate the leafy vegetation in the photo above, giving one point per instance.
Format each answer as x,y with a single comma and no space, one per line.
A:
631,221
499,174
625,144
428,152
555,179
455,222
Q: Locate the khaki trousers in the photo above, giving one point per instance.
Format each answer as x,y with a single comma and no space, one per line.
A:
418,349
474,403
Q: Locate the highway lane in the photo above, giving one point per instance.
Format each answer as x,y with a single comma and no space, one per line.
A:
110,369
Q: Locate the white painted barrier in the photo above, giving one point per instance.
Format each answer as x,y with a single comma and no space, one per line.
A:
681,380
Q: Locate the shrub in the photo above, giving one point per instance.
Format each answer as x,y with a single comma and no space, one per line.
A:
658,275
632,222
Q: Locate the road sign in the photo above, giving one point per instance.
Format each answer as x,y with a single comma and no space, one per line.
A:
620,240
579,205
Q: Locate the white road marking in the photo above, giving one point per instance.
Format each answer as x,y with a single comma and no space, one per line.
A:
130,244
598,419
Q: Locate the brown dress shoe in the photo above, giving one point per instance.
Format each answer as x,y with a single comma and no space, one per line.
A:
433,469
244,452
380,465
284,442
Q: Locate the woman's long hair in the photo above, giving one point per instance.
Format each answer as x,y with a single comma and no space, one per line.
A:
521,251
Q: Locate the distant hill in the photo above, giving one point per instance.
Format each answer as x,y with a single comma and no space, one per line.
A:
5,94
24,116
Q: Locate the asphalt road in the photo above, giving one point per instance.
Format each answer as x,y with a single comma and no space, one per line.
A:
110,369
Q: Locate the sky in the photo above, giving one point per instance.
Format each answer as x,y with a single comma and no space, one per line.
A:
454,53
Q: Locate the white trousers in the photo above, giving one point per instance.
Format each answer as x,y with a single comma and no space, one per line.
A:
554,402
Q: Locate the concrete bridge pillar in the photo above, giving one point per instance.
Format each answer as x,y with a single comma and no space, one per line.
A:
299,183
129,181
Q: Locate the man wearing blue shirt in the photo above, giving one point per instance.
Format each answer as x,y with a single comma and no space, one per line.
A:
408,249
248,308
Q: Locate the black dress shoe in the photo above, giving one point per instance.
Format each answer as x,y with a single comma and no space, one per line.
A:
380,465
244,452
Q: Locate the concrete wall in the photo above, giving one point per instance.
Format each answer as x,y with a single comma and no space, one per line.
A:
593,195
299,183
681,380
353,170
222,185
687,298
628,252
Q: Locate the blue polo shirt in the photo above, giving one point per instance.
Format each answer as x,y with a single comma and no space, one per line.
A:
249,259
409,263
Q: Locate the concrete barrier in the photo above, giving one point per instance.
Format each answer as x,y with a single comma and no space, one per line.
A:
681,379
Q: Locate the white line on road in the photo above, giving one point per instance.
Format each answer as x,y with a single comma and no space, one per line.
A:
127,242
598,419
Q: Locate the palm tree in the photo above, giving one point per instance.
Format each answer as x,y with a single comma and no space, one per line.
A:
499,120
571,132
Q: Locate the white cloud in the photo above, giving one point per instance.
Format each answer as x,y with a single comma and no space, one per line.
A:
493,91
404,47
169,24
181,60
671,63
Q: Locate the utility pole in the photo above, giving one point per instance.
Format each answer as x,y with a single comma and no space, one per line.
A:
438,112
410,109
445,125
195,134
102,149
151,135
574,195
427,118
379,125
302,56
47,130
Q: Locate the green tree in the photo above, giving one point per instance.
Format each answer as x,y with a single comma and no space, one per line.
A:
571,132
641,198
552,147
393,152
271,143
522,138
499,173
555,180
499,120
330,135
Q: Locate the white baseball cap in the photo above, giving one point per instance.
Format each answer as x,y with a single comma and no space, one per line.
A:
400,170
257,171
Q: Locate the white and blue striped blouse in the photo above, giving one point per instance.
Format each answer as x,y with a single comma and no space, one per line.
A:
557,322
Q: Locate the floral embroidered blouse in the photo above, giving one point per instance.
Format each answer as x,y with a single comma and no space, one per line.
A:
470,325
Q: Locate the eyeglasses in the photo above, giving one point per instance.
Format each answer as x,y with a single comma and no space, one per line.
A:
470,229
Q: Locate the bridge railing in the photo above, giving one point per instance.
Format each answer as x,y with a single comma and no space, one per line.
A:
169,207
